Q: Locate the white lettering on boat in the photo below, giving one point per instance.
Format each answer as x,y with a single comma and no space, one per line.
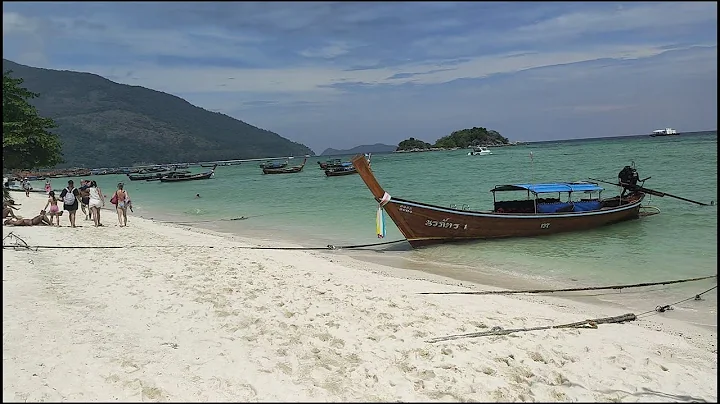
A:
444,224
405,208
544,225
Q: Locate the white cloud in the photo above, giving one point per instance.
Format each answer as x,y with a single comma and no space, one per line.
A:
15,23
316,79
655,15
330,51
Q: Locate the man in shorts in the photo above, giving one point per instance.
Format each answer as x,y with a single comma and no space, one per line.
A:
85,199
70,196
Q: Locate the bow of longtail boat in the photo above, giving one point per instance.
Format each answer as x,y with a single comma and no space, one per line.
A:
425,224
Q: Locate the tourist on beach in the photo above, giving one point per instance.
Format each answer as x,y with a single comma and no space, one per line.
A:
39,220
85,199
70,196
26,186
8,210
48,187
97,201
120,197
54,208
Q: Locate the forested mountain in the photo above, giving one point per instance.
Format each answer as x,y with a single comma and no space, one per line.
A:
105,124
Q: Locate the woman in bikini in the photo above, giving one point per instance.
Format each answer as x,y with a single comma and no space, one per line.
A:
121,196
97,201
54,209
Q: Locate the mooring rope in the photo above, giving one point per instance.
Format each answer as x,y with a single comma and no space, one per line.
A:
591,323
511,292
22,244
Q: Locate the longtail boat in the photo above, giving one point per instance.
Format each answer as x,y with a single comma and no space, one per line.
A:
340,171
343,168
186,177
285,170
273,164
155,175
329,163
424,224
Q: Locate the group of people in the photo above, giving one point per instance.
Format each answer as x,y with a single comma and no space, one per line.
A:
88,197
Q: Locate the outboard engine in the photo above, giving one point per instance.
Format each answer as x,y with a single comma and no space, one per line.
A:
629,178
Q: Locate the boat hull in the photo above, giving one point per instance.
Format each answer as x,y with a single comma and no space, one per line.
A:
339,173
423,224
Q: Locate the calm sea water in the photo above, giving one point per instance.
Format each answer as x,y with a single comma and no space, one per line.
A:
314,210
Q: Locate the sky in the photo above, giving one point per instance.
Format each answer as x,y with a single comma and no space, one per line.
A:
341,74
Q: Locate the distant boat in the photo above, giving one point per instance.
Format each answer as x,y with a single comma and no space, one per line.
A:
186,177
284,170
330,163
479,151
340,171
664,132
273,164
345,168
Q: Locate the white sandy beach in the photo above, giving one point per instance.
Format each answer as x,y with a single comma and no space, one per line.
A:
192,323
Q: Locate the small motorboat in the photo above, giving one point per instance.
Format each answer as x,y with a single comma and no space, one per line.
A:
479,151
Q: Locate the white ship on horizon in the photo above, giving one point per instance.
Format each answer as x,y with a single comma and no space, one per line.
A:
664,132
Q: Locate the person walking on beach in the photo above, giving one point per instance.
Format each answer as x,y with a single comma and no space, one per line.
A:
120,198
48,187
85,199
97,201
26,186
54,208
70,196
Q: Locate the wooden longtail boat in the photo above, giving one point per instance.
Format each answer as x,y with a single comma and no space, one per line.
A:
155,175
285,170
185,177
329,163
273,164
425,224
340,171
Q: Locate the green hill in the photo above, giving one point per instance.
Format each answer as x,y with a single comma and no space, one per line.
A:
105,124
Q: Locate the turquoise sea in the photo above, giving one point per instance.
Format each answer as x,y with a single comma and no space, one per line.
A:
311,209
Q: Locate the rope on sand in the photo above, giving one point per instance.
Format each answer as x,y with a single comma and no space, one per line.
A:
512,292
591,323
20,243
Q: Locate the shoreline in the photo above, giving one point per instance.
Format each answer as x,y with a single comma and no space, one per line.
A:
397,256
222,322
480,277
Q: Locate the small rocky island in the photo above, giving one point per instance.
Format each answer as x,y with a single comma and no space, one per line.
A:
460,139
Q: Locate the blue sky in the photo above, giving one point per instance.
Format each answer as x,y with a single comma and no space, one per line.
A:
340,74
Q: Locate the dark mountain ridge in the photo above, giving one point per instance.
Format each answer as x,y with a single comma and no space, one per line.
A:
103,123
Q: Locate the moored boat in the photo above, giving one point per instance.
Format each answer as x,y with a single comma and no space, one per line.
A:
541,212
274,164
340,171
329,163
187,177
284,170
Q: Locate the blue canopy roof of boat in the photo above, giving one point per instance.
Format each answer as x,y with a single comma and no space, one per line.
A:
551,187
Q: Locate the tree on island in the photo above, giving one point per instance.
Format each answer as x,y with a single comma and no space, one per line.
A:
461,138
27,141
413,143
471,137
